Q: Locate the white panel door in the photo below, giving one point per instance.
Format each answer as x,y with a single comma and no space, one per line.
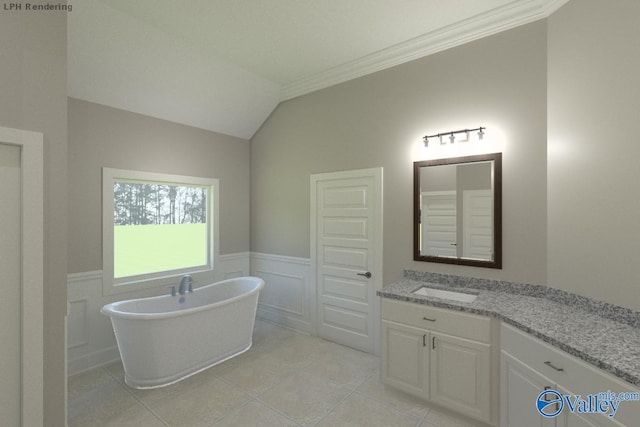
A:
477,208
10,280
438,222
21,277
348,256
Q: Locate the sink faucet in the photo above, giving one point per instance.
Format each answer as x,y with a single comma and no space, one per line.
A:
182,289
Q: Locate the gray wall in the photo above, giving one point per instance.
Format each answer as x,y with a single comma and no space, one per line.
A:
476,176
570,215
33,96
594,103
101,136
438,178
379,120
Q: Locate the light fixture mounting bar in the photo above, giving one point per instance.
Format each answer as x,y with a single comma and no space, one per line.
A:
451,134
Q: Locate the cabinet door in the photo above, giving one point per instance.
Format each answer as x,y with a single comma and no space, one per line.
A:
405,358
569,419
461,375
520,387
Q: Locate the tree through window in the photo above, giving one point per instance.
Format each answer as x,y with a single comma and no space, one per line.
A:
160,225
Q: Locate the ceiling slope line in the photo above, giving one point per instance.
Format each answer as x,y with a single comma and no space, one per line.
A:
484,25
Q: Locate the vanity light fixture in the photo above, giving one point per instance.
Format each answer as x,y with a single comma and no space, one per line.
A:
452,135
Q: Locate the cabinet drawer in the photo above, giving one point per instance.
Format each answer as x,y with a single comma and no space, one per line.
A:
535,353
464,325
576,376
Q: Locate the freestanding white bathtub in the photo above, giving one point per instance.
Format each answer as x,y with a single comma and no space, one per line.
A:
163,340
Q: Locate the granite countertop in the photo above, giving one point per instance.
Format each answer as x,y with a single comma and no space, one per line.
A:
607,343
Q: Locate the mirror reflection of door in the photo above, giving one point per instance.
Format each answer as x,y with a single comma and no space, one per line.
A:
438,222
456,202
456,211
477,224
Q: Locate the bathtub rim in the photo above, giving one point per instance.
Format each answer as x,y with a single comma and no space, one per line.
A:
112,311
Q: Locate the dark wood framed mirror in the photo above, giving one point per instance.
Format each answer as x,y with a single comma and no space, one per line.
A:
457,210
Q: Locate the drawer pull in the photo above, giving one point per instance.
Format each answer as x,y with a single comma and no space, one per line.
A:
424,340
429,319
546,398
548,363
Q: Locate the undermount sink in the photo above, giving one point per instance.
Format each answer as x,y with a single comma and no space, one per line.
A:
439,293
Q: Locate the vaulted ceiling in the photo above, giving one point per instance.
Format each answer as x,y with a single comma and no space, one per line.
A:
224,65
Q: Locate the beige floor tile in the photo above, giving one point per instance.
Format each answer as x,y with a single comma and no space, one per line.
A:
290,355
345,366
116,370
373,388
250,377
254,414
108,404
197,403
266,333
87,381
357,410
305,397
298,380
441,418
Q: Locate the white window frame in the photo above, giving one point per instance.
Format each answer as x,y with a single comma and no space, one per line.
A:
202,274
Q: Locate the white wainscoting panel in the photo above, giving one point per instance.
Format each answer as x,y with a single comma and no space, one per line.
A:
90,339
77,332
233,265
288,297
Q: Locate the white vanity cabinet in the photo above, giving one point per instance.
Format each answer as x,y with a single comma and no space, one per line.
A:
529,366
405,362
440,355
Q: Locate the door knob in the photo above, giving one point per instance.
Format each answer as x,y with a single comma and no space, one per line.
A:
367,275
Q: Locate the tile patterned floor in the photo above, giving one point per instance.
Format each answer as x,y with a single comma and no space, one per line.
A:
286,379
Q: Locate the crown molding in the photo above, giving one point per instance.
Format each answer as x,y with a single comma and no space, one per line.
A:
514,14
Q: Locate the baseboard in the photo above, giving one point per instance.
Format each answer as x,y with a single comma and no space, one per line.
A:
93,360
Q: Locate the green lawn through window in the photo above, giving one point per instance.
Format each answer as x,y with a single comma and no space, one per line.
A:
141,249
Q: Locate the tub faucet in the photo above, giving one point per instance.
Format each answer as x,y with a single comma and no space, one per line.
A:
182,289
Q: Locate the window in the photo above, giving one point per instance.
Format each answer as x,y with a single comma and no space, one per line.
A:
157,227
